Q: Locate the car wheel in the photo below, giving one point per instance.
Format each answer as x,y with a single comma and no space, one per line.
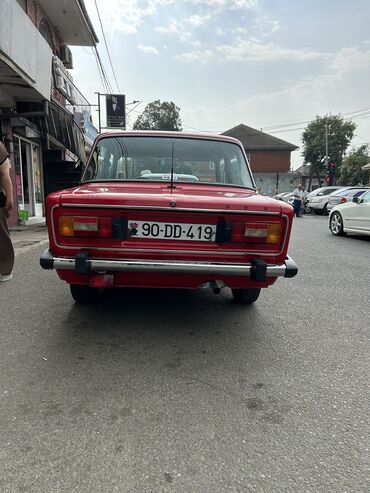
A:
83,294
246,296
336,224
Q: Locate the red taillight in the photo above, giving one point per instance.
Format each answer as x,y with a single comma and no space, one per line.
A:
105,227
342,200
85,226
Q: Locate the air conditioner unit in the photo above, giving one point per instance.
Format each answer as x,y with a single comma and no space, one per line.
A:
66,56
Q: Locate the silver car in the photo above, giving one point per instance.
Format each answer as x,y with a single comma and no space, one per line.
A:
346,194
318,199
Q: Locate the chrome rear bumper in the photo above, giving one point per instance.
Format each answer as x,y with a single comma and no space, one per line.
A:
82,264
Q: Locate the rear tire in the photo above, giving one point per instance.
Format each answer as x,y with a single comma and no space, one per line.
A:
246,296
336,224
83,294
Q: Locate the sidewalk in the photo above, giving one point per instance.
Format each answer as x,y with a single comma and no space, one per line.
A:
24,236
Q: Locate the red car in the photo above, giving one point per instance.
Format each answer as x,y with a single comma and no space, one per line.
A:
167,210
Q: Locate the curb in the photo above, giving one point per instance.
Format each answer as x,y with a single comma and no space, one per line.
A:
26,248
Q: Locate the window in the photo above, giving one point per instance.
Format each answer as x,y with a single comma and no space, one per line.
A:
366,198
163,158
46,33
359,193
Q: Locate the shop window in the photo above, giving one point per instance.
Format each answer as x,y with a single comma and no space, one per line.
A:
46,33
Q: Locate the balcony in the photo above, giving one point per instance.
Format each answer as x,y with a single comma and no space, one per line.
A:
71,20
25,56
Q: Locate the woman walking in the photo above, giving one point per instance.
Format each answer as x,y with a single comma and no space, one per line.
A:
6,205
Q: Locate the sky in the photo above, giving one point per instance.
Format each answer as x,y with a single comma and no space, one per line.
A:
270,64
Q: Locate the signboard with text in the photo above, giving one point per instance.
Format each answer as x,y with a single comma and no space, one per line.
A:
116,110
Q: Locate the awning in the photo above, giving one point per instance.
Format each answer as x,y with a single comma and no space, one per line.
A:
60,125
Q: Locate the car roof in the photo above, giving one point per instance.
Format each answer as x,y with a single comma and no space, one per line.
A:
349,189
162,133
334,187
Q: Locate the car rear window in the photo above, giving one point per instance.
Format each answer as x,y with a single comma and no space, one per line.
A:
148,158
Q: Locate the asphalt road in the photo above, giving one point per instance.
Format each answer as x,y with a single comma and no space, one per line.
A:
186,392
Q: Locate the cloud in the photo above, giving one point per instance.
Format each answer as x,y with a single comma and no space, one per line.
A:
198,20
196,55
126,15
227,4
148,49
243,50
350,58
266,27
175,28
252,51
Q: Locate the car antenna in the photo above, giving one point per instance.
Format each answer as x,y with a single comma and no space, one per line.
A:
171,185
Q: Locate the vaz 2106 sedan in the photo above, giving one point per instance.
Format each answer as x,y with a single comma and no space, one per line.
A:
167,210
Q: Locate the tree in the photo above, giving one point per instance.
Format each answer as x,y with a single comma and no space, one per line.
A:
159,116
339,134
351,172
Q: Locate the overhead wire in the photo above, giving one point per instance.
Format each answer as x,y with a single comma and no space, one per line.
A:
362,114
102,73
107,84
106,44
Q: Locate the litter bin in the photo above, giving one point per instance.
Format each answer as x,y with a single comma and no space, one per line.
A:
23,216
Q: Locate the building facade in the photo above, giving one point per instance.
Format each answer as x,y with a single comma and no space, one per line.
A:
269,158
39,101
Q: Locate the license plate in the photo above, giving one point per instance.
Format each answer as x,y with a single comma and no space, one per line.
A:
171,231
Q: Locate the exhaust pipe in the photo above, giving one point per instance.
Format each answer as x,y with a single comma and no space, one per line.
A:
216,285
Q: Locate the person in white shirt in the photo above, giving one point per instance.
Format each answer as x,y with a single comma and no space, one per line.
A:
298,195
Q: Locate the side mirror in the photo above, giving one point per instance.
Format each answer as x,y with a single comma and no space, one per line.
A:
356,200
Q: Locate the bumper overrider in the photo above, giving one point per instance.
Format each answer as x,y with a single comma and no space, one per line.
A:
257,270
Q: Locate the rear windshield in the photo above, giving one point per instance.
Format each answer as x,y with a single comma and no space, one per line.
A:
129,158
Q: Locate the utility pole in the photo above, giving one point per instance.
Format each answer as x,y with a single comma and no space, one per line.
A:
326,145
98,110
328,171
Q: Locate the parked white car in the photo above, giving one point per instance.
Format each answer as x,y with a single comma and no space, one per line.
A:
351,217
346,194
318,199
284,196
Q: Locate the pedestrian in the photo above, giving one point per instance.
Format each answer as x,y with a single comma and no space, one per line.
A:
304,199
297,200
6,205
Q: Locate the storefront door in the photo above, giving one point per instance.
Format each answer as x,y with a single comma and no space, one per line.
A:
28,177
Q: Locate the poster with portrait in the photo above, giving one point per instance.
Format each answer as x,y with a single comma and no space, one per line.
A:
116,110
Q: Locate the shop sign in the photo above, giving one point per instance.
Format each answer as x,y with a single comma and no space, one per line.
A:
116,110
63,81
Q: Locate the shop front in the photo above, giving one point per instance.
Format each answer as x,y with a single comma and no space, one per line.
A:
28,180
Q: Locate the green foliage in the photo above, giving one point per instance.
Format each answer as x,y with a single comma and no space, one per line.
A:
340,134
351,172
159,116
